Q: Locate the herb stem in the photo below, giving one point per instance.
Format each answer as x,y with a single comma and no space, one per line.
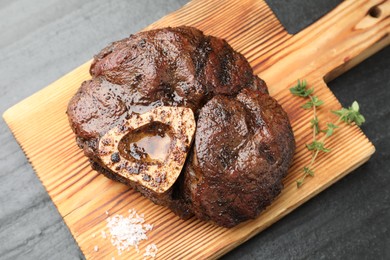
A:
314,118
347,115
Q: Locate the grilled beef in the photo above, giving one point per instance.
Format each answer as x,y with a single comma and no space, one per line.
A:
238,124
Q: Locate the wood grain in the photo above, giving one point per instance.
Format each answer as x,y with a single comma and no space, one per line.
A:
336,42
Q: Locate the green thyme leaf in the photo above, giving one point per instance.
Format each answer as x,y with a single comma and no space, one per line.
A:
307,170
355,106
314,101
330,129
307,105
317,146
300,89
315,123
351,114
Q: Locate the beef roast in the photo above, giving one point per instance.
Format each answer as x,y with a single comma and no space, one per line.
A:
182,67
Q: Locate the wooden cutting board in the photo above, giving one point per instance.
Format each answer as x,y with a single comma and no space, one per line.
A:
341,39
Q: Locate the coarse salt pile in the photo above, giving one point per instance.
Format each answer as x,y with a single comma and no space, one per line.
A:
129,231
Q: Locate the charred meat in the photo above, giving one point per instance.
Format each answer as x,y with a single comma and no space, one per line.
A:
243,144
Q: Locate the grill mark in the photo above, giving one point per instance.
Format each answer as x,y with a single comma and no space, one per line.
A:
225,59
201,56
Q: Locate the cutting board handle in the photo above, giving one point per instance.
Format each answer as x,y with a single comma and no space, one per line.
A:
341,39
372,25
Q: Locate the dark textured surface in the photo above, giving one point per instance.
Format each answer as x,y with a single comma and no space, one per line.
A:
295,15
43,40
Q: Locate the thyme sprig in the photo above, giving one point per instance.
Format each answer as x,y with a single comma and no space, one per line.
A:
348,115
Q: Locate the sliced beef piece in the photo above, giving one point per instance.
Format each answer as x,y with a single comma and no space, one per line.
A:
243,148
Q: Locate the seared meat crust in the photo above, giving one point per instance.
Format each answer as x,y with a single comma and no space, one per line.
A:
243,148
183,67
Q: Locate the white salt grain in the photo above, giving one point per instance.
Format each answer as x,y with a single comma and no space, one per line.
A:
96,248
148,227
106,212
104,235
151,251
128,231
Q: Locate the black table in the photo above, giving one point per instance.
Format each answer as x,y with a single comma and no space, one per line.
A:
41,41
